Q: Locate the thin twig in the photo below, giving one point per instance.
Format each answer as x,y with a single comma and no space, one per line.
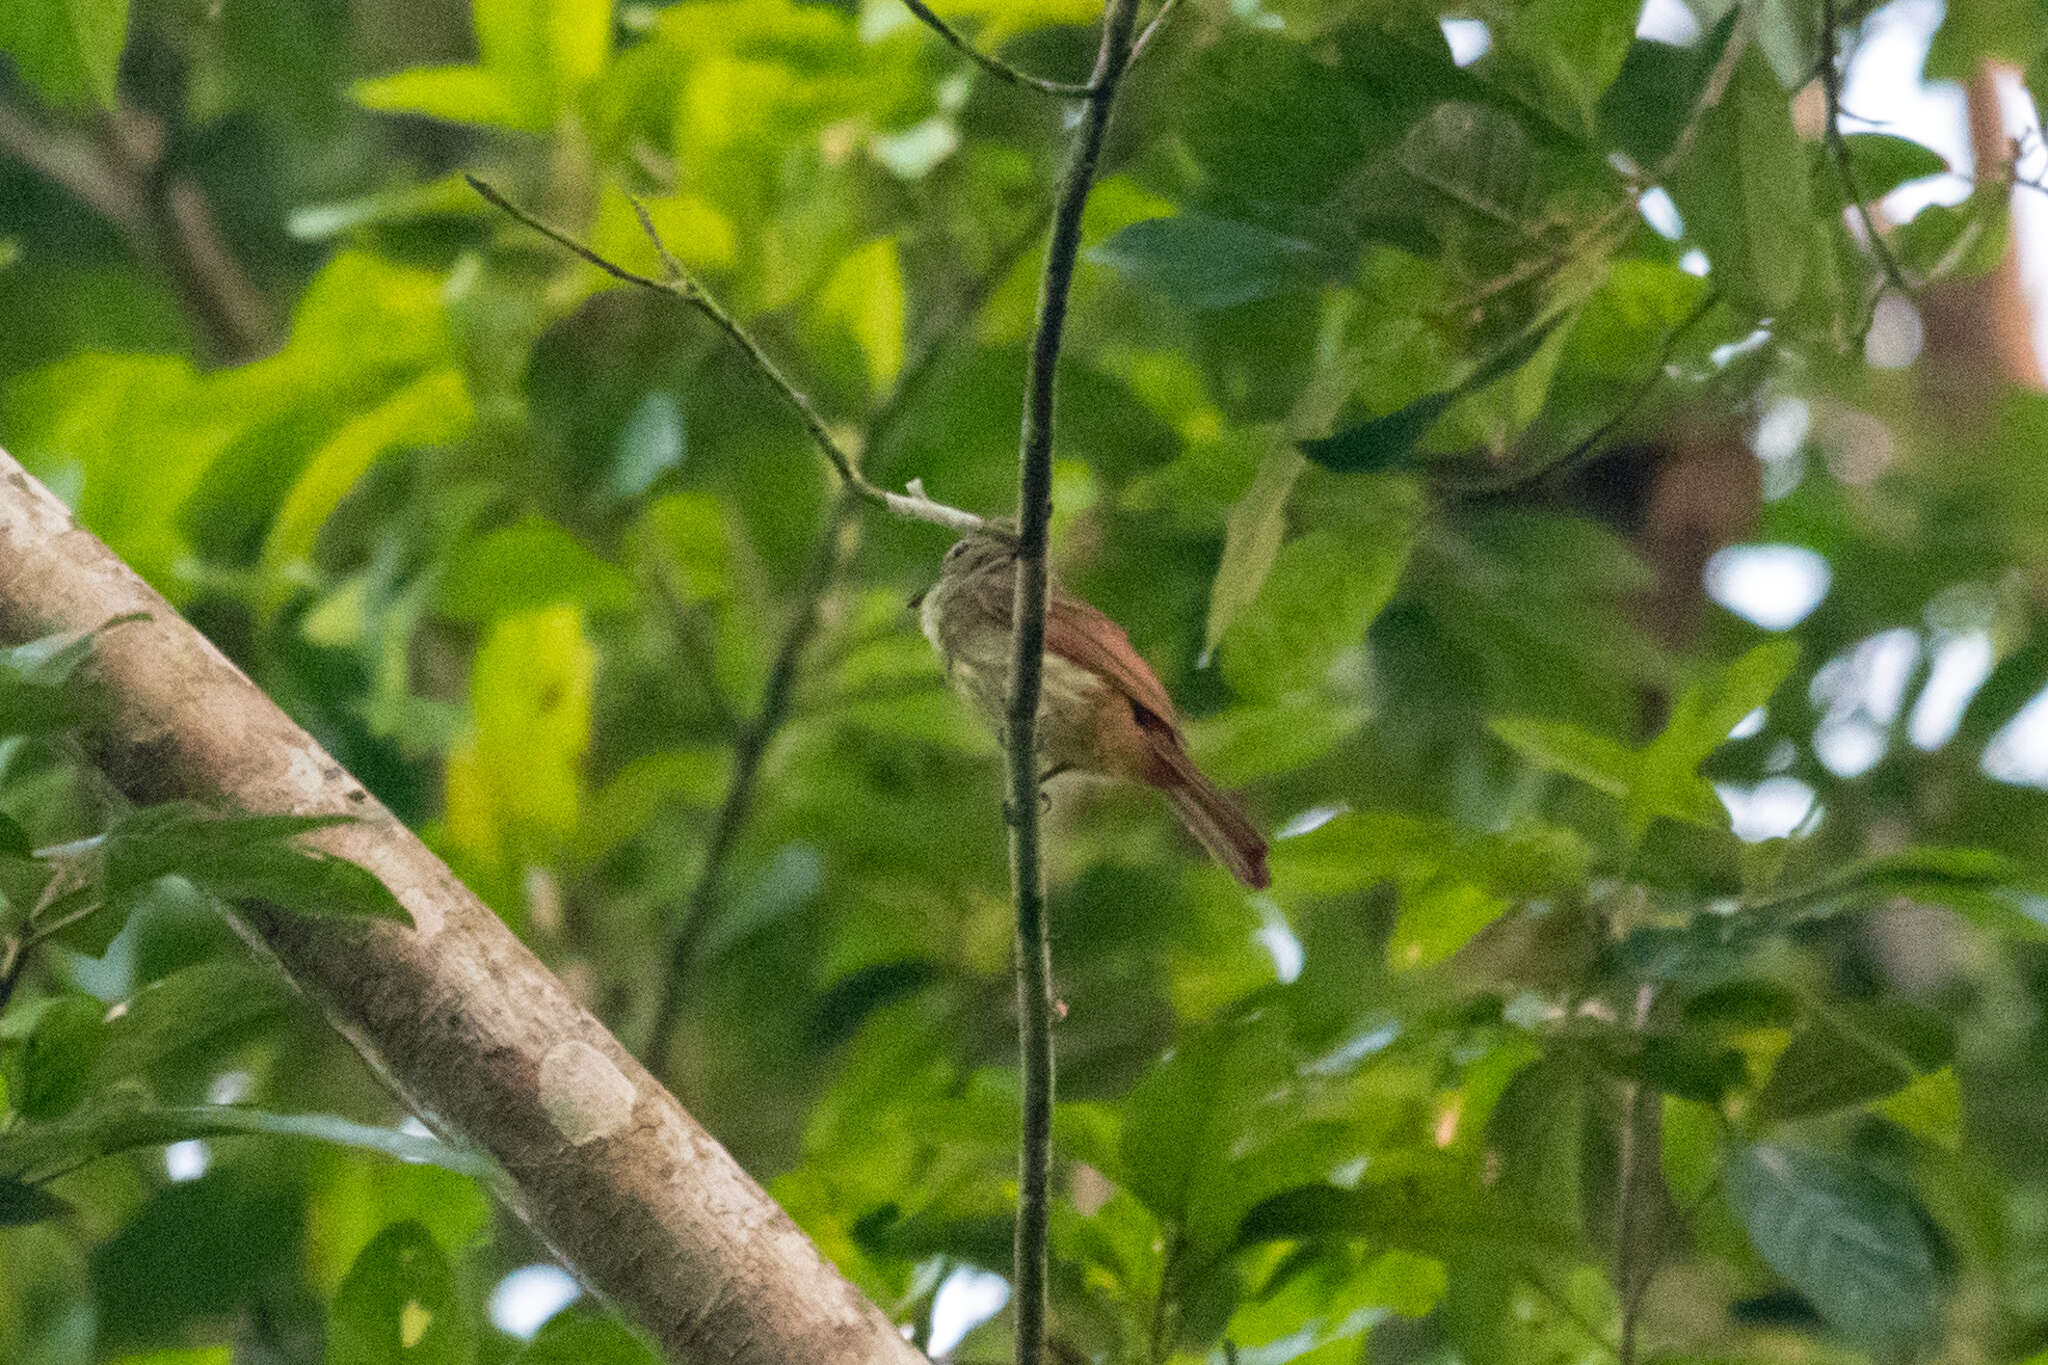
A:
1027,664
700,906
915,504
993,65
1144,39
698,910
165,221
64,879
1838,151
1596,440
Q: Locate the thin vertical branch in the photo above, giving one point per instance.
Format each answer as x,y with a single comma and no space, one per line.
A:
1027,664
1838,151
754,738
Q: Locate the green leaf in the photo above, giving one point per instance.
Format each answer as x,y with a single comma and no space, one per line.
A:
104,1130
1745,194
515,786
1205,264
40,690
1788,34
58,1056
1251,538
1475,161
1882,162
1956,241
432,410
1851,1053
1208,1132
399,1305
535,58
1357,849
1930,1108
192,1013
1389,442
1322,593
1538,1134
69,50
1558,746
14,840
574,1337
1575,49
22,1204
1851,1244
1660,780
1270,123
530,564
243,857
864,297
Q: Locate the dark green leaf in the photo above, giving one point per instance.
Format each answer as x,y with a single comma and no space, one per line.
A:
189,1015
1851,1053
243,857
1205,263
1389,442
58,1056
1383,442
1648,105
1882,162
1745,193
1680,1064
1853,1245
1269,122
1538,1132
22,1204
399,1305
573,1337
14,840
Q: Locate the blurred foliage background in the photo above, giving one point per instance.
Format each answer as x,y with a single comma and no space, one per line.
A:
1412,405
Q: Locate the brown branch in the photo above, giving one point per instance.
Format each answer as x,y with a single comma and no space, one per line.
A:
463,1021
1027,666
995,66
166,222
1838,151
685,289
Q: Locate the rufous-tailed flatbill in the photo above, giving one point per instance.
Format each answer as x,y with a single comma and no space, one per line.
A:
1102,709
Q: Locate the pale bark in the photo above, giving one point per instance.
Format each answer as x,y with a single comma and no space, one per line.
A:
469,1027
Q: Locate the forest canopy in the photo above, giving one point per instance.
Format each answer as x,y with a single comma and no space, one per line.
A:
1589,519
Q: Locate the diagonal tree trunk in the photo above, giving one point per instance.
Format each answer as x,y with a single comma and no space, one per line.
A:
469,1027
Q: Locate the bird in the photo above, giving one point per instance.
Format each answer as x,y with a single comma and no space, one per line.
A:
1102,709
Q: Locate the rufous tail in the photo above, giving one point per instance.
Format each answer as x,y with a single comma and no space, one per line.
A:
1211,817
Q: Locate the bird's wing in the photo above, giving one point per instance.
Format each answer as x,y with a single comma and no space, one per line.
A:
1084,637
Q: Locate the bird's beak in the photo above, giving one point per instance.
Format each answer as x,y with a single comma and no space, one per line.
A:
917,599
